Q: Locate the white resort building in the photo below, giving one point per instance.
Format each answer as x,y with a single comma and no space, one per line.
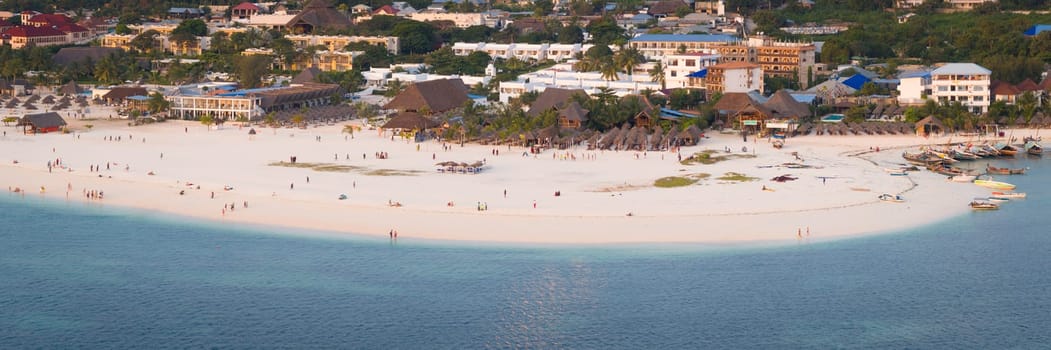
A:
966,83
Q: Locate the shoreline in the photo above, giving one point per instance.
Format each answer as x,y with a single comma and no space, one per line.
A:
590,210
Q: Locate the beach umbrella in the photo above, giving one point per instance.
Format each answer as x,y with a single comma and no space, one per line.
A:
33,98
251,131
49,99
27,104
30,107
15,100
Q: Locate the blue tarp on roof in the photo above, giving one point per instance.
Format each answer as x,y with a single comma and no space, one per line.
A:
803,98
699,74
856,81
240,93
1037,29
673,114
707,38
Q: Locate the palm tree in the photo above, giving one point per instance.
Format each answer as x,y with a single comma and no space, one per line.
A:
243,120
297,119
394,87
609,70
207,121
657,75
270,120
627,58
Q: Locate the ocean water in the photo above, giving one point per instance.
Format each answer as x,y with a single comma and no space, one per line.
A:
75,275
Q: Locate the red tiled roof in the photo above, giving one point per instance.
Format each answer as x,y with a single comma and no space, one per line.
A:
71,28
1028,85
246,6
50,19
24,31
1003,88
386,9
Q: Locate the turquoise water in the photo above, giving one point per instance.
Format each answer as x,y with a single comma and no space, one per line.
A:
832,118
78,276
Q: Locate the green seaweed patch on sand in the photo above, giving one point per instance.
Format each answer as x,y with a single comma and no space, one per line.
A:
392,172
737,177
679,181
712,156
325,167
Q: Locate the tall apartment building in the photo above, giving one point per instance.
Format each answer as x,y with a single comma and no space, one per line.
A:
687,70
954,4
776,58
966,83
734,77
338,42
654,46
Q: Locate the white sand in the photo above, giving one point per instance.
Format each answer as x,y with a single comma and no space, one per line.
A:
595,196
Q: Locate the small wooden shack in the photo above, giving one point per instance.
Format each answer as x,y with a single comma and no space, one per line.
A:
41,123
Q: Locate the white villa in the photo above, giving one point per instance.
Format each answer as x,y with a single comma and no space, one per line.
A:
687,70
536,52
563,76
966,83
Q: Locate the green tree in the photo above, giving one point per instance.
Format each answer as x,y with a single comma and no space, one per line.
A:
609,70
415,37
251,69
298,118
627,58
144,42
605,31
657,74
207,120
271,120
106,71
157,103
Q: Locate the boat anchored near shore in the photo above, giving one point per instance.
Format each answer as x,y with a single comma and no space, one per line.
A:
996,185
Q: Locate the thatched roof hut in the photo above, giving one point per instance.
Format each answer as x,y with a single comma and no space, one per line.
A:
929,125
410,121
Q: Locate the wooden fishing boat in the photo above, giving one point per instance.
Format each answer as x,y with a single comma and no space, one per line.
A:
996,185
1033,148
1006,149
1013,196
996,199
924,159
983,205
887,197
946,170
1004,171
963,178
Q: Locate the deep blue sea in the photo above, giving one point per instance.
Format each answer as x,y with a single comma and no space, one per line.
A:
76,275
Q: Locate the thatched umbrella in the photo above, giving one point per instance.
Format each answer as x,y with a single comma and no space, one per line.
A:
251,131
15,100
30,107
656,138
593,140
50,99
33,98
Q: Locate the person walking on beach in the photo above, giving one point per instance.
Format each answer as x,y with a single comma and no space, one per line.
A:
308,179
292,186
534,204
505,193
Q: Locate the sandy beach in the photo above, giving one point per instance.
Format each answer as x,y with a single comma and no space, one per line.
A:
605,197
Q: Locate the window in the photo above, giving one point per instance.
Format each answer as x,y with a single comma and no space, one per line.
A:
979,88
979,98
691,63
943,88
